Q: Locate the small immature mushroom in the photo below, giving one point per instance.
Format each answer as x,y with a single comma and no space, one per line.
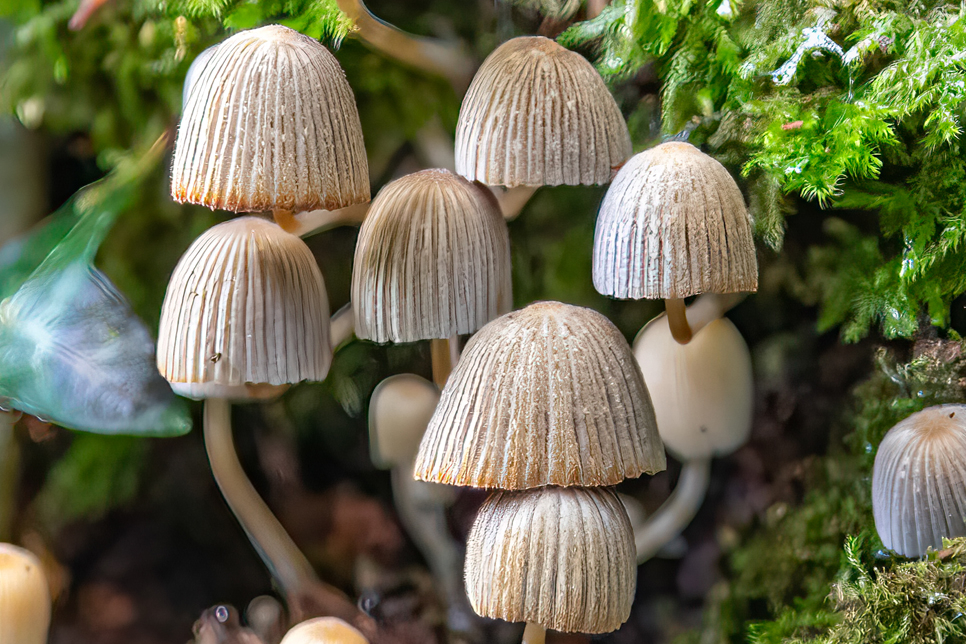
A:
674,224
324,630
24,597
399,411
919,482
557,558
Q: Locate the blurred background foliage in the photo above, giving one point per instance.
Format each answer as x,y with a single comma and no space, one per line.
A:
842,120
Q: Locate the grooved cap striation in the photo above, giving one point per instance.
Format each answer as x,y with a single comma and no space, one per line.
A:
270,123
548,395
563,558
673,224
538,114
432,260
246,304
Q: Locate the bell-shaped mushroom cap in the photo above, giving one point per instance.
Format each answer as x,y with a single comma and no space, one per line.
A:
673,224
24,597
548,395
270,123
245,312
563,558
399,411
919,481
703,391
432,260
537,114
324,630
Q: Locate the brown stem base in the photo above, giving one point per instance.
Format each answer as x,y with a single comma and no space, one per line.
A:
677,319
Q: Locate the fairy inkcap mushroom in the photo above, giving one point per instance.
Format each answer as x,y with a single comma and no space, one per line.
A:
557,558
537,114
919,482
24,597
548,395
270,123
673,224
324,630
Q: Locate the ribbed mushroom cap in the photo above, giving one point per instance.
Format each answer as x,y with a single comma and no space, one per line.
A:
548,395
919,481
324,630
432,260
399,411
703,391
563,558
245,311
673,224
537,114
270,123
24,597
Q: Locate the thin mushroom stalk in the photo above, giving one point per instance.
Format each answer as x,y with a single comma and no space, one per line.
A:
8,470
534,634
444,354
677,512
313,222
513,200
677,319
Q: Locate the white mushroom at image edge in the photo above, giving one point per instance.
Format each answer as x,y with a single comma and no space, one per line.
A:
324,630
24,597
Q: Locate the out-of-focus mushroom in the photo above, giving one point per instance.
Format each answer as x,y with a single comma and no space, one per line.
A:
324,630
399,411
919,483
24,597
557,558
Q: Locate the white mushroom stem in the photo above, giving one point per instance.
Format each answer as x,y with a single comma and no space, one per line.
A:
448,59
534,634
513,200
677,512
677,319
285,561
306,224
341,326
709,307
444,354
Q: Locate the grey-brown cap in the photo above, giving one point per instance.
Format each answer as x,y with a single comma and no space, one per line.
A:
563,558
548,395
270,123
673,224
432,260
919,481
537,114
245,312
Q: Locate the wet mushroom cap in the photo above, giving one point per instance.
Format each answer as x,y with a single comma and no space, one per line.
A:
563,558
245,314
538,114
432,260
324,630
547,395
24,597
673,224
919,481
270,123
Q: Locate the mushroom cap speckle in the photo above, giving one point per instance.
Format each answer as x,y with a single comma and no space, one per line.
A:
270,123
246,305
432,260
563,558
547,395
324,630
919,481
703,391
537,114
24,597
673,224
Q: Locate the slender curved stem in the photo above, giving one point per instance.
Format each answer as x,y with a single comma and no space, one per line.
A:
284,560
445,354
8,471
449,59
677,512
513,200
318,221
534,634
711,306
341,326
677,319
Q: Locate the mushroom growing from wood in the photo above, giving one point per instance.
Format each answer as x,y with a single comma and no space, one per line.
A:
24,597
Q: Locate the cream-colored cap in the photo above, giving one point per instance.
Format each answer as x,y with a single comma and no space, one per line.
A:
245,314
703,391
270,123
324,630
399,411
432,260
548,395
919,481
24,597
563,558
673,224
537,114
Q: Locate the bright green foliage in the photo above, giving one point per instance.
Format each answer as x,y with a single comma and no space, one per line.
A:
875,130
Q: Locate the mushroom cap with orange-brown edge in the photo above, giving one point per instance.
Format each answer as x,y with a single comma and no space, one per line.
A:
324,630
24,597
547,395
270,123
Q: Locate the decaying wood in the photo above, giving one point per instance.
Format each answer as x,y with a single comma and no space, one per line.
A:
563,558
919,481
245,304
270,123
432,260
548,395
673,224
538,114
24,597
